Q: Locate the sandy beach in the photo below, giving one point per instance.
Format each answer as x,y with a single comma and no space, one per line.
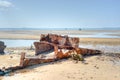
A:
99,67
94,68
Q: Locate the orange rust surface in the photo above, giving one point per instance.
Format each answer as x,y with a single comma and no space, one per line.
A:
47,42
61,40
85,51
42,47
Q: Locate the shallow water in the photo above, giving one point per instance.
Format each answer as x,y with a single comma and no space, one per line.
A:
28,43
17,43
97,35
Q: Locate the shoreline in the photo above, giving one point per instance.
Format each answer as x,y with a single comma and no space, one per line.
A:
107,41
35,34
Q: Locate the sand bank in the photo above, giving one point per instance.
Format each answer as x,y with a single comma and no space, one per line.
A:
35,34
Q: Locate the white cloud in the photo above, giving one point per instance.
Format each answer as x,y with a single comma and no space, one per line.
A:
5,4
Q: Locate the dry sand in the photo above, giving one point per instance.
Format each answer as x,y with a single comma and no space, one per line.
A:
98,67
94,68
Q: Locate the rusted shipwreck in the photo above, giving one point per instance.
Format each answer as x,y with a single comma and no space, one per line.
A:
63,47
57,43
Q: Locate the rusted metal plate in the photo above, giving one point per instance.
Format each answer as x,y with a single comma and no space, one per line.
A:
42,47
48,41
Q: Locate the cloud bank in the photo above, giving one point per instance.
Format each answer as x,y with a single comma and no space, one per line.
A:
5,4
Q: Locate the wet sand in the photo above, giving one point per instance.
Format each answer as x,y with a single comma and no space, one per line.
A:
35,35
100,67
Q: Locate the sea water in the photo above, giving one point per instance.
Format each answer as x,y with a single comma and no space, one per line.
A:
27,43
18,43
97,35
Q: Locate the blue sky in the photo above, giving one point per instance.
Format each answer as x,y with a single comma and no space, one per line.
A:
59,13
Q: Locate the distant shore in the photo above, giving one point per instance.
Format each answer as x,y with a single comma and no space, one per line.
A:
35,35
